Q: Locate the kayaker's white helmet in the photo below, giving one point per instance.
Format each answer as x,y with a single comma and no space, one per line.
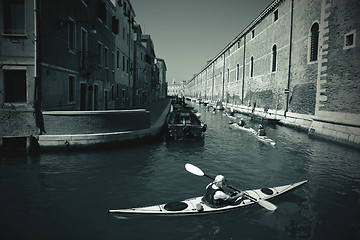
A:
241,119
219,179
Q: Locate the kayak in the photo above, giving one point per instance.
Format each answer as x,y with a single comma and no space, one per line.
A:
231,117
197,206
264,139
236,126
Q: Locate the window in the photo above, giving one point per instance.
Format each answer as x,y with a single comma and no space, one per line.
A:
15,86
238,44
112,92
71,89
252,67
71,35
96,97
125,8
276,15
123,63
100,54
106,98
115,25
123,93
118,59
349,40
314,42
273,68
253,33
237,72
14,17
102,11
112,61
106,60
84,46
127,65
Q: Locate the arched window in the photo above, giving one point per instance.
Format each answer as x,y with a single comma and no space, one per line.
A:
273,68
314,42
252,67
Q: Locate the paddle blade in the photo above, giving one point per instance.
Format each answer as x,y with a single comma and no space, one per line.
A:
267,205
194,170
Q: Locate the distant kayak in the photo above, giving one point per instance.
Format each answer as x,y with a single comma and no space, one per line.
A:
264,139
237,126
196,206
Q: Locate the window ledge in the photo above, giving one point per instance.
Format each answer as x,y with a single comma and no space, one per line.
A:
12,35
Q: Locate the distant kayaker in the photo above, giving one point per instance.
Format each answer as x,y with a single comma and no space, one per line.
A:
215,194
242,122
261,131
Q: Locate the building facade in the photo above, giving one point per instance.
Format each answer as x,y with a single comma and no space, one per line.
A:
71,55
297,59
178,89
162,85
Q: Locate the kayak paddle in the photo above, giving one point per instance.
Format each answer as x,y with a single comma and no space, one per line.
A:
197,171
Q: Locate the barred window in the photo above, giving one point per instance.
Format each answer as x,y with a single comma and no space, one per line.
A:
273,68
252,67
314,42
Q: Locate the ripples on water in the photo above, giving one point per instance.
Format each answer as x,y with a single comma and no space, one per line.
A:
67,195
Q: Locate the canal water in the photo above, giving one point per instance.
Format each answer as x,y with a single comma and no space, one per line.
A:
67,195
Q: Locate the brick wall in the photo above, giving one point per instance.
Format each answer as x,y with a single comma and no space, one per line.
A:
342,84
68,123
17,123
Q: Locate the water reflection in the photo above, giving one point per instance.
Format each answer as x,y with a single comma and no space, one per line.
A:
72,191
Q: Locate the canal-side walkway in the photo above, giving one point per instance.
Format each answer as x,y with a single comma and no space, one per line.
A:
158,111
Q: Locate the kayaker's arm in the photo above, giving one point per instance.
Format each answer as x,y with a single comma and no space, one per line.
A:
235,196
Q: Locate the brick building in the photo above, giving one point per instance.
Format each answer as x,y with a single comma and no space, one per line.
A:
69,55
297,59
162,86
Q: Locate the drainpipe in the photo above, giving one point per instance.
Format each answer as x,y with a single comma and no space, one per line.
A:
290,51
223,79
243,76
37,74
129,90
212,87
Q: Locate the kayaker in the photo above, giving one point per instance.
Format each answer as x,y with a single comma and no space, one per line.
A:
261,131
241,123
215,194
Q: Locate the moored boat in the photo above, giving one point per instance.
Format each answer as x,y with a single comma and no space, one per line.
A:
183,124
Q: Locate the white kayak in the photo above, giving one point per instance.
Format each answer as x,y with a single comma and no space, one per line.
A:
237,126
264,139
196,206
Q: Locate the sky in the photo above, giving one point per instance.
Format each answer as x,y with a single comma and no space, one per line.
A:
188,33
